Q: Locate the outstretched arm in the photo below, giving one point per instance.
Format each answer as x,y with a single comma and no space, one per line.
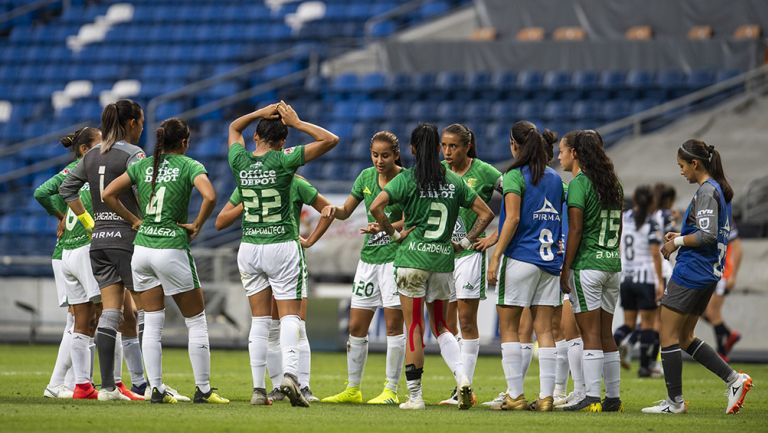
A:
322,225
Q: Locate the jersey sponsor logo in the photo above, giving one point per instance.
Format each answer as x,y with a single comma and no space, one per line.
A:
158,231
367,191
704,223
459,231
107,235
379,239
257,177
265,231
165,173
107,216
444,191
547,212
425,247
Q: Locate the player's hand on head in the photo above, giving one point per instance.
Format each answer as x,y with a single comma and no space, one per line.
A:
270,111
192,229
287,114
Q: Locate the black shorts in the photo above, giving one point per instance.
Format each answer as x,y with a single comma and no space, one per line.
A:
112,266
685,300
638,296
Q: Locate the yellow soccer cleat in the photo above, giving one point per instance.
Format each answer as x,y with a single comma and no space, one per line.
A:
518,403
386,397
164,397
211,397
351,394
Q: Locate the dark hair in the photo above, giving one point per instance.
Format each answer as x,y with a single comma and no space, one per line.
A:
390,138
170,135
272,131
664,194
114,121
533,148
466,137
74,140
428,170
588,146
710,159
643,202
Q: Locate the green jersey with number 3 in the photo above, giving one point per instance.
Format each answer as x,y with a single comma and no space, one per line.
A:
482,178
264,182
302,192
599,247
169,205
433,213
48,196
377,248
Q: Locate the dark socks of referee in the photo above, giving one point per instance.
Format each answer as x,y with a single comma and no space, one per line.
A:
706,356
106,334
647,352
721,335
620,334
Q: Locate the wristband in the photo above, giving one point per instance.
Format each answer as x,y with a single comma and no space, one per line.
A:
86,220
465,243
679,241
396,236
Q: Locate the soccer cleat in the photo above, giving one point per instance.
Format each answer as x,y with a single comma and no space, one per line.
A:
666,406
517,403
59,391
115,394
290,387
260,398
210,397
453,400
413,404
625,356
737,391
128,393
731,341
307,393
612,404
545,404
276,395
173,392
572,398
465,394
587,404
387,396
164,397
495,404
351,394
141,389
85,391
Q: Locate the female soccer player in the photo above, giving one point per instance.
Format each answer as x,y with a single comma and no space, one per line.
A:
530,231
592,267
302,192
270,258
112,237
460,156
725,337
642,280
162,264
374,283
699,266
431,197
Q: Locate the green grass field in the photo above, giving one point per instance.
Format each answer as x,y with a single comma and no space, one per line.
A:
25,370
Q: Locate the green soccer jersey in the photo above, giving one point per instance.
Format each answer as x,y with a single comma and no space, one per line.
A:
264,182
302,192
433,213
482,178
169,204
599,247
377,248
47,195
75,235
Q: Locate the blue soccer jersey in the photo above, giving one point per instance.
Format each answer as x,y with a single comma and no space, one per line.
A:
540,227
708,213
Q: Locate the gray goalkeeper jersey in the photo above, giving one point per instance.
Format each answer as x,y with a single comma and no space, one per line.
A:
99,169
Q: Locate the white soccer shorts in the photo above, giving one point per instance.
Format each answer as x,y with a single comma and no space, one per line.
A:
469,273
58,278
418,283
79,282
524,284
279,266
593,289
374,286
174,269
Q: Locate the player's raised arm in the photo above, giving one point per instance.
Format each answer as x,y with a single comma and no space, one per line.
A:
237,127
341,212
324,139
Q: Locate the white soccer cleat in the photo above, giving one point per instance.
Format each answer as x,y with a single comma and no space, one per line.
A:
737,391
60,391
666,407
115,394
178,396
453,400
496,402
571,399
411,404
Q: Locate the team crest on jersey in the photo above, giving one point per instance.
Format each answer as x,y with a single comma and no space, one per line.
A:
471,182
141,155
547,212
367,191
257,164
288,151
65,171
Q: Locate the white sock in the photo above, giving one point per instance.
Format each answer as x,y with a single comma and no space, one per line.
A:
395,360
152,348
470,349
81,358
92,349
63,357
69,378
526,351
593,371
289,343
561,369
274,355
612,374
257,350
199,350
451,353
357,354
547,367
132,354
305,356
118,369
512,363
575,353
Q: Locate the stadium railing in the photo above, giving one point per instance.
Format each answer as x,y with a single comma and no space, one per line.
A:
30,8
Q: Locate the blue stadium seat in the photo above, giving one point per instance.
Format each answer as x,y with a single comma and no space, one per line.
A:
699,79
371,110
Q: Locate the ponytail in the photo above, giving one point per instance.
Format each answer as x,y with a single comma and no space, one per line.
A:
74,140
429,173
716,171
595,164
157,155
711,160
643,201
169,137
115,121
532,145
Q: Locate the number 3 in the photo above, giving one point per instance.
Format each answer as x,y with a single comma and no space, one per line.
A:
438,221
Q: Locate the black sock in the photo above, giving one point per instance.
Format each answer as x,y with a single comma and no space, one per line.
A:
105,345
656,346
646,347
721,334
413,373
633,337
621,334
672,359
706,356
